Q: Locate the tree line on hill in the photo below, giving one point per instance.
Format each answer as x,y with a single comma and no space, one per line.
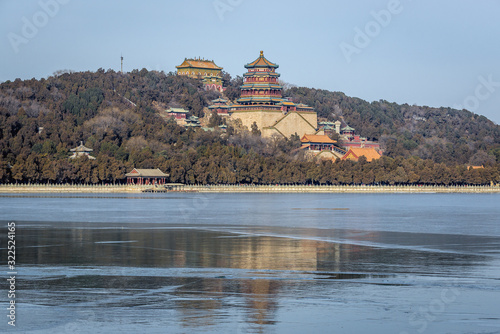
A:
440,134
112,113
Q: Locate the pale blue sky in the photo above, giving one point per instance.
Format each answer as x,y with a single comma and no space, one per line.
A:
435,53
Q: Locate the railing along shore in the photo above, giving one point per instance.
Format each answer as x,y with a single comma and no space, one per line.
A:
91,188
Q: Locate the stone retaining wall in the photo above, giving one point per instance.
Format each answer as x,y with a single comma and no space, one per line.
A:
66,188
345,189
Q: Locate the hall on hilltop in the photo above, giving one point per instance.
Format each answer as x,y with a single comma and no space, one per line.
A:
207,70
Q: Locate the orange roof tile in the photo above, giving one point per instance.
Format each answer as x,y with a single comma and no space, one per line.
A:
355,153
317,139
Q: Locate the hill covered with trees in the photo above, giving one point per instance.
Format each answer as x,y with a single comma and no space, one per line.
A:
440,134
115,115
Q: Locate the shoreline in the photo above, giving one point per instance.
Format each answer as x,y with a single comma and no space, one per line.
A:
126,189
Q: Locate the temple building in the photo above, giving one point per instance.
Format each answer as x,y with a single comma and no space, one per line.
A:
177,113
192,122
221,106
81,151
330,127
351,140
321,147
206,70
262,102
146,177
213,82
348,135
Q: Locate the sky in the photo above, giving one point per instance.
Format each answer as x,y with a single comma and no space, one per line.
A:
430,53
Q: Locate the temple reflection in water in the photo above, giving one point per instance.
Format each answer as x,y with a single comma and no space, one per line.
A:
201,274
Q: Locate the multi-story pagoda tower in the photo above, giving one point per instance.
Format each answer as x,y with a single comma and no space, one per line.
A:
261,102
261,83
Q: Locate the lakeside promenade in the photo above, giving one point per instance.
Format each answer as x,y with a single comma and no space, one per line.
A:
123,189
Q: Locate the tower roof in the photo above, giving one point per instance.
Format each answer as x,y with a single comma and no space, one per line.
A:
81,148
323,139
219,100
261,74
260,85
177,111
261,62
199,63
259,99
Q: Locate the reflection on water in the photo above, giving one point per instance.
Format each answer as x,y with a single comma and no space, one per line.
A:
209,277
252,249
254,263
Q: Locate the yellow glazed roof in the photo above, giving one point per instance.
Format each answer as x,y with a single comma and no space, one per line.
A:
261,62
199,63
317,139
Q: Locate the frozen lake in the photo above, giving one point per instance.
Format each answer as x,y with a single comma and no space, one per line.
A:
254,263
